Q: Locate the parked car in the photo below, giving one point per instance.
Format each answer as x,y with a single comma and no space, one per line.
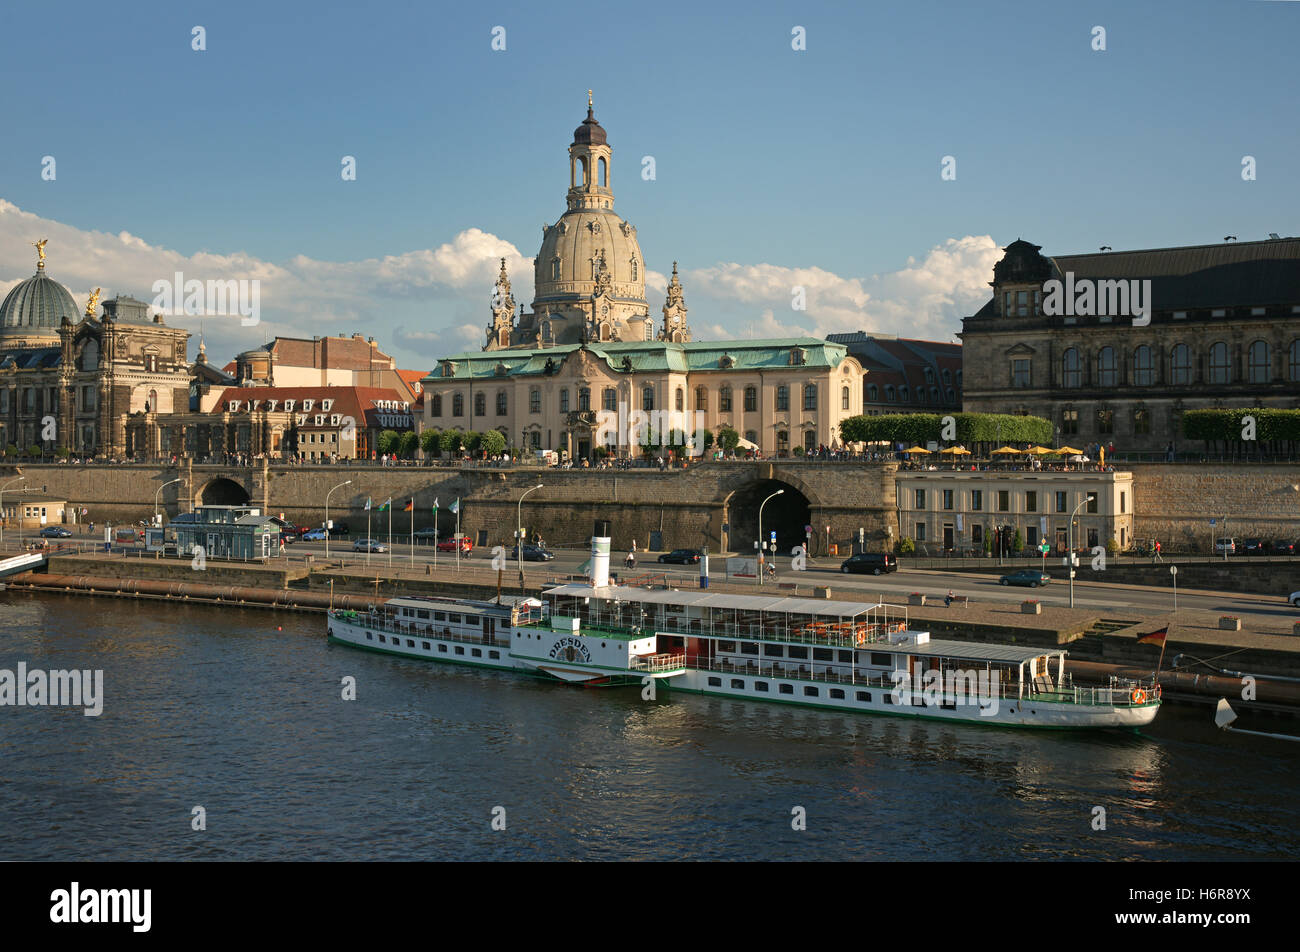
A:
682,556
339,529
368,545
314,535
424,536
1029,578
1225,545
870,562
449,545
532,553
56,532
1253,547
1295,599
1281,547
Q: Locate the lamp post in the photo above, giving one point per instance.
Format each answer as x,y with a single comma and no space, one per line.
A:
158,493
1173,570
2,508
519,533
1070,558
327,518
761,543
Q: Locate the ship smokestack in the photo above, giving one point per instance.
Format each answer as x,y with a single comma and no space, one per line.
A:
600,554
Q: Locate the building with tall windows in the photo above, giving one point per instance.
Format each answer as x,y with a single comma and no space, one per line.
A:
86,382
553,377
1221,329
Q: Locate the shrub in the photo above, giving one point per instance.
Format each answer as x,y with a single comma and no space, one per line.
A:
492,442
1018,543
906,546
1112,547
728,438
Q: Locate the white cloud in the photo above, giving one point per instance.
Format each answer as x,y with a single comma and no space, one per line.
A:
428,302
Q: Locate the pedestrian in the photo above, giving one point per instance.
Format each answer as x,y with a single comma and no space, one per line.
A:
947,599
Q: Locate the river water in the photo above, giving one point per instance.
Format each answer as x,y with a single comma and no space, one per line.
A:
222,709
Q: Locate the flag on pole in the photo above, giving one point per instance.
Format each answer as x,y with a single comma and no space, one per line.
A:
386,504
367,503
1155,637
455,506
435,504
410,505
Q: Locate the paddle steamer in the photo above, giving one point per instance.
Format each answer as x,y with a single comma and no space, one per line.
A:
842,655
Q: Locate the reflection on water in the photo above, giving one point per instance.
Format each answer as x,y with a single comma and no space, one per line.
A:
215,707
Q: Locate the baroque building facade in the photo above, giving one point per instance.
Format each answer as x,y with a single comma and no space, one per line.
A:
1221,329
102,381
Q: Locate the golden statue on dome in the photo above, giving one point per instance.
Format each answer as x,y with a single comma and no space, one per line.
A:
40,253
92,303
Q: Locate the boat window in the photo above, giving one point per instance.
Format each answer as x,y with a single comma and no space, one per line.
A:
726,646
459,650
738,684
494,654
439,616
453,617
880,659
476,652
760,685
442,648
715,682
423,613
798,651
410,643
774,651
888,698
787,688
369,637
846,657
383,640
864,696
424,645
823,654
809,691
749,647
837,694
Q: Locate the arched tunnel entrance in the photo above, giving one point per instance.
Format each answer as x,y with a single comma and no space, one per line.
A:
223,492
786,515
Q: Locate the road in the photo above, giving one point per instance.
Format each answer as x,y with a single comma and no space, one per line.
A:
1102,597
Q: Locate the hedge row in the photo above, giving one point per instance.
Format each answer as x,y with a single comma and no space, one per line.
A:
920,428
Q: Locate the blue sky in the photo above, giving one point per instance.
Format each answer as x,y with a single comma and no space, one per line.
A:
773,166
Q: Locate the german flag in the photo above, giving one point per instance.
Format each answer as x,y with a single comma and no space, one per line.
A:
1155,637
410,504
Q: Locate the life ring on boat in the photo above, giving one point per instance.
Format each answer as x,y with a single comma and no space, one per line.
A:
1139,696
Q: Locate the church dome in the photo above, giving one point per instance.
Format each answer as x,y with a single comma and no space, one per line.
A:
590,132
571,251
38,304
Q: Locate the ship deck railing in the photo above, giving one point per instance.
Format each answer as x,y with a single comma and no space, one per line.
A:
416,629
657,662
853,636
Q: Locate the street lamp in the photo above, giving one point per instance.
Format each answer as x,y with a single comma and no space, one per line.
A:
1070,558
347,482
158,521
519,534
2,508
759,573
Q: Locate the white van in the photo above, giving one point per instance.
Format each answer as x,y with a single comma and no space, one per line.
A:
1225,545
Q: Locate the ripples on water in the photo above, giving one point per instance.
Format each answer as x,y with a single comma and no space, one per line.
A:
215,707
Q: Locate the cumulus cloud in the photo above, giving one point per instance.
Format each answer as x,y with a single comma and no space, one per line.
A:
424,303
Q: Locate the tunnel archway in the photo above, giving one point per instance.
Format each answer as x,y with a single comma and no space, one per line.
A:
223,492
787,515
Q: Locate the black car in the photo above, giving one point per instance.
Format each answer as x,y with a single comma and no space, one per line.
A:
56,532
1253,547
1281,547
532,553
340,529
873,563
1030,578
682,556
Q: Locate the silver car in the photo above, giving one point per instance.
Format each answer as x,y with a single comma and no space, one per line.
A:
368,545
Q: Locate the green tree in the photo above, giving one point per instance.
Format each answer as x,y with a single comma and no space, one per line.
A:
387,442
407,444
906,546
431,443
471,441
1018,543
492,442
450,441
988,544
34,451
1112,547
63,452
11,450
728,439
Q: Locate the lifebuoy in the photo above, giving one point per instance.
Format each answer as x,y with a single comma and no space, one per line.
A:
1139,696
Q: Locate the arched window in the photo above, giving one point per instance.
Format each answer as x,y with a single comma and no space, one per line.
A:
751,399
1293,364
873,394
947,377
810,396
602,168
920,395
1106,375
502,403
751,436
435,405
555,269
889,392
584,398
724,399
647,398
929,375
1143,373
458,405
783,441
844,398
609,399
1219,372
480,404
634,269
783,397
1180,365
904,394
1071,370
679,402
1257,363
701,398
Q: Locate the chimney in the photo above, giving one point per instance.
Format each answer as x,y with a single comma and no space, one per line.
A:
600,554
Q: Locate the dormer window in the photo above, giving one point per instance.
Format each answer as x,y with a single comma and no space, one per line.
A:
326,404
798,357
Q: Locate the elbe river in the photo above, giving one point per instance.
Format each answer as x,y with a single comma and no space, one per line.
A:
216,708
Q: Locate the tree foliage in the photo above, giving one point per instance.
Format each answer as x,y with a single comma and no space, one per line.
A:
407,443
450,440
921,428
1231,426
431,442
387,442
492,442
728,439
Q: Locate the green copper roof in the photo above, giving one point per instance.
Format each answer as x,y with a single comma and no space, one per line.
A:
648,357
38,302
